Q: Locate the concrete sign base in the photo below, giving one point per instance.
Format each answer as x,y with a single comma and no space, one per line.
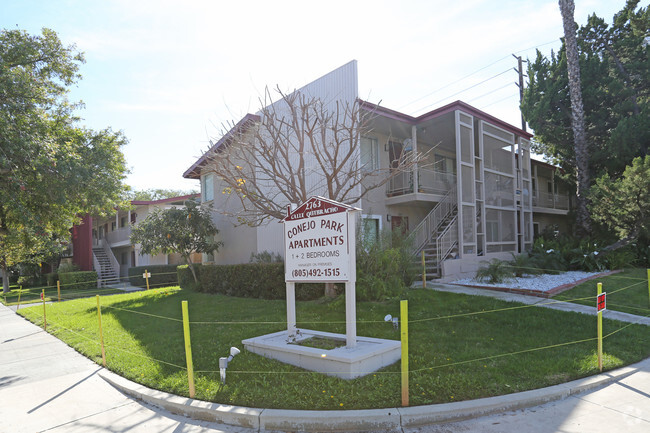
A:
369,354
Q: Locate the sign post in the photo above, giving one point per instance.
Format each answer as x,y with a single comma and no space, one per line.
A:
319,247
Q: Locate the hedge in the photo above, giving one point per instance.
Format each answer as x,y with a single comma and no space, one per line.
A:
248,280
51,278
161,275
80,280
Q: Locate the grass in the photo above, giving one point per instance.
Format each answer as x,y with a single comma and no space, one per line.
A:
29,295
627,292
458,349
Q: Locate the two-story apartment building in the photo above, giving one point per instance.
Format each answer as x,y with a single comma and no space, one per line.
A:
475,193
104,244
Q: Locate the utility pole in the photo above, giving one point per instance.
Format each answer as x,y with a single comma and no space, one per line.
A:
520,71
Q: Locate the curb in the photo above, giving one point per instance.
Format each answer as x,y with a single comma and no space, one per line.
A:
388,419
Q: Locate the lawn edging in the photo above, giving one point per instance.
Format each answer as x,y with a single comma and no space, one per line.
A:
388,419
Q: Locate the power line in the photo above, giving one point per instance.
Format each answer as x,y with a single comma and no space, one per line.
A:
464,90
469,75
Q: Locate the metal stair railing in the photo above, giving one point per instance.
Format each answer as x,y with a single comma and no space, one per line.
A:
424,232
446,242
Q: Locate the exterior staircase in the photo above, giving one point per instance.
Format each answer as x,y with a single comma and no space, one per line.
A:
437,236
106,272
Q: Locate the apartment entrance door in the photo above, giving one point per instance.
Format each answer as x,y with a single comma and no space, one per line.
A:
400,222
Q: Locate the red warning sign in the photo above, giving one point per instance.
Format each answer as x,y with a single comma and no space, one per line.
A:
601,302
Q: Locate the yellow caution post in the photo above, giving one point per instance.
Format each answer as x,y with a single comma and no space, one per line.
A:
101,333
404,322
58,289
188,348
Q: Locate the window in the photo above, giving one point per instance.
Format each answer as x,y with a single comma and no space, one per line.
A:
369,154
445,164
123,222
550,186
113,226
208,187
371,225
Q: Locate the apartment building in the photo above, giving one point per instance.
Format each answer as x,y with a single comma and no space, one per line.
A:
104,244
474,194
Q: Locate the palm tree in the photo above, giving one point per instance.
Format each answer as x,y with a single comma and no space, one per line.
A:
583,219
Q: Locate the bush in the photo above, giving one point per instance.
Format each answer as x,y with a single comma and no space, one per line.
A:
81,280
161,275
385,268
496,271
248,280
185,278
51,278
266,257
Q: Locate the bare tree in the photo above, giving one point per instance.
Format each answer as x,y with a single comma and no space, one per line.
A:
295,148
583,218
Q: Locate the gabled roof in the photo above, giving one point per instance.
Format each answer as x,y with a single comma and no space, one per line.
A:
194,172
457,105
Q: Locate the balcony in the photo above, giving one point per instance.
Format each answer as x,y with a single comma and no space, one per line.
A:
432,184
119,237
551,203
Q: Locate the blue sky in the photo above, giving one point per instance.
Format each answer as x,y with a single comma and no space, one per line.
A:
172,74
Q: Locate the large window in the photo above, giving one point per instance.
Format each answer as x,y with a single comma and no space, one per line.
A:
369,154
371,227
208,187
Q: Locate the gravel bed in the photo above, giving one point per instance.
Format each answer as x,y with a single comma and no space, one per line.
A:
538,283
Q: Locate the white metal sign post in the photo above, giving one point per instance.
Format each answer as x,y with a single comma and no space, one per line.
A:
319,246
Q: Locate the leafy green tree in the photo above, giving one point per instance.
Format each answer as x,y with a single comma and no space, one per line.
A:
614,69
177,230
623,204
51,169
153,194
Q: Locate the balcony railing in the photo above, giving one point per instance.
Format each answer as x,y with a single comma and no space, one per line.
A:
119,235
552,201
429,182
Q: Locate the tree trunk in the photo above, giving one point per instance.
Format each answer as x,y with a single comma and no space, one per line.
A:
330,290
191,266
5,279
583,218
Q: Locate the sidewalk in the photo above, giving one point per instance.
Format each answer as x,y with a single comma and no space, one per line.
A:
47,386
539,302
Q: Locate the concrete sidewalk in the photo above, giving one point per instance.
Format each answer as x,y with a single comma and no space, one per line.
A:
539,302
47,386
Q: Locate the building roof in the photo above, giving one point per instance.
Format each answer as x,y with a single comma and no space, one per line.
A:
194,172
456,105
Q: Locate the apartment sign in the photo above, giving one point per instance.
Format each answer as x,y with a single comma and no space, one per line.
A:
319,242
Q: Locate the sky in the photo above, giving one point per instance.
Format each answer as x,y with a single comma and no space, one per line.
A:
174,74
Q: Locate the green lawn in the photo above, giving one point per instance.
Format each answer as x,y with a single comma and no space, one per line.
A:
29,295
627,291
451,358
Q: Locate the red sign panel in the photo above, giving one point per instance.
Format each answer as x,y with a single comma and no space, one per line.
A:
601,302
315,207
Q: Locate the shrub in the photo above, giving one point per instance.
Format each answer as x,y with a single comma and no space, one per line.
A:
496,271
161,275
81,280
266,257
65,267
385,267
248,280
523,264
185,278
51,278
